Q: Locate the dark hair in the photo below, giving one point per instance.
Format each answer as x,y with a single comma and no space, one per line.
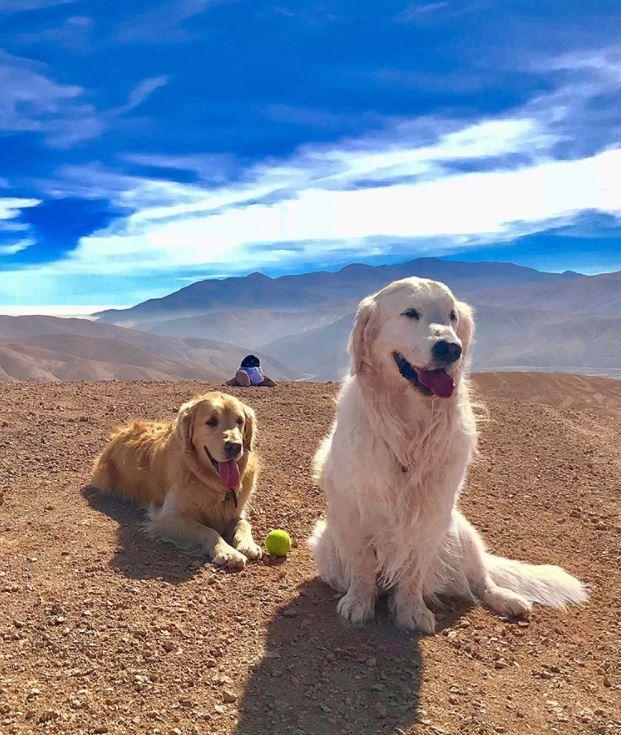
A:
250,361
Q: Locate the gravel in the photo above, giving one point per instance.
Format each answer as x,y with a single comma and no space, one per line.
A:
104,631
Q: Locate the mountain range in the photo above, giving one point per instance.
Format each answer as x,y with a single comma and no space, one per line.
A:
299,325
52,348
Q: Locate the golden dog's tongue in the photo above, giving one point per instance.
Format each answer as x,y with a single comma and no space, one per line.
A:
439,382
229,474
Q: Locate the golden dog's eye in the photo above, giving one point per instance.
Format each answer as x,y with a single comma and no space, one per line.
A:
453,315
411,314
213,421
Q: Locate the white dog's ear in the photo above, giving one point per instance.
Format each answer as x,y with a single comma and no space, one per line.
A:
250,428
184,424
465,325
359,337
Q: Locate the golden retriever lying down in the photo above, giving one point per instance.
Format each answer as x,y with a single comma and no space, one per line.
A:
197,475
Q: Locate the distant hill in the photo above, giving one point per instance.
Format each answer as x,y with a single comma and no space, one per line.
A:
250,327
600,294
505,339
310,290
50,348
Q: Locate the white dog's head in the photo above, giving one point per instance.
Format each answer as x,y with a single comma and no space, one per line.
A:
413,330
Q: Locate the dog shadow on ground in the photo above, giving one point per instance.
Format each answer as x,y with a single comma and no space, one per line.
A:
137,556
321,676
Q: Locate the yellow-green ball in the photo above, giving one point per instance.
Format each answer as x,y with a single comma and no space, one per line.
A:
278,543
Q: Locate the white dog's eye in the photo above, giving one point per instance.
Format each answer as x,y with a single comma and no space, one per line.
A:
411,314
453,315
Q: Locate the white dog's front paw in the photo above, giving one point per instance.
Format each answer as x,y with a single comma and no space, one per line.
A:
356,609
507,602
227,556
415,616
249,549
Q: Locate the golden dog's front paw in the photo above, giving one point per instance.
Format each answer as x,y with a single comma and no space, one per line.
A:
227,556
249,549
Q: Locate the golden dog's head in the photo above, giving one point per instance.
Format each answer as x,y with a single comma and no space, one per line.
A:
218,430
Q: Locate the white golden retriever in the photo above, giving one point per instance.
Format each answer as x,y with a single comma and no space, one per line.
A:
395,462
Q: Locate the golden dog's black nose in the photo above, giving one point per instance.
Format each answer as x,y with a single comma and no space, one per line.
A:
232,448
446,351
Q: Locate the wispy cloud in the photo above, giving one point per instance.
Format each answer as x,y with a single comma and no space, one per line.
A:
10,207
163,23
141,92
423,183
16,247
73,32
16,6
416,11
31,101
10,212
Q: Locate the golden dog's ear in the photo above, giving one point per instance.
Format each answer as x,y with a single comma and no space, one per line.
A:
465,325
184,424
358,339
250,428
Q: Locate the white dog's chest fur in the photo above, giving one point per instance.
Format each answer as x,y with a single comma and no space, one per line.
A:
393,505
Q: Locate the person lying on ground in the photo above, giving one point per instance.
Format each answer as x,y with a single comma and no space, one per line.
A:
251,374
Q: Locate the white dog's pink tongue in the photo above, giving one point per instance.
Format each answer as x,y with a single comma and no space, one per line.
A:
229,474
439,382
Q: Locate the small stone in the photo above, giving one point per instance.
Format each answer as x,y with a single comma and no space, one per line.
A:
228,696
168,646
100,730
47,716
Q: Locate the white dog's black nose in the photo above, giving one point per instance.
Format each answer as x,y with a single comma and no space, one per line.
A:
446,351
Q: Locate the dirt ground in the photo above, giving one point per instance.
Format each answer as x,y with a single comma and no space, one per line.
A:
103,631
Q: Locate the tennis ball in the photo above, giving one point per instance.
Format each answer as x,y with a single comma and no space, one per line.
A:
278,543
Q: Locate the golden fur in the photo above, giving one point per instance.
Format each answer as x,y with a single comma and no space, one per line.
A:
170,467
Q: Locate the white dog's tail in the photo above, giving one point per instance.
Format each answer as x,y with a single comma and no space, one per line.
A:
543,583
327,560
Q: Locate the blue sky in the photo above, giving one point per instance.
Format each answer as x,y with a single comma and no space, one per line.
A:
147,145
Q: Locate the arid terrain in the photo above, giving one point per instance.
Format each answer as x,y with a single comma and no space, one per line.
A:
104,631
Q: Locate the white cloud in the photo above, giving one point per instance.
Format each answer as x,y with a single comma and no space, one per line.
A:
15,6
425,181
142,92
16,247
312,203
163,23
10,207
31,101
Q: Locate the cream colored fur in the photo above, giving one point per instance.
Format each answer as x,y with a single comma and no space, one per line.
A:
392,470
